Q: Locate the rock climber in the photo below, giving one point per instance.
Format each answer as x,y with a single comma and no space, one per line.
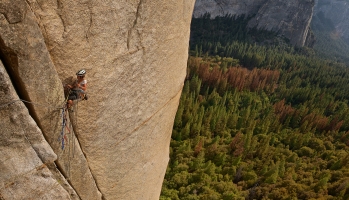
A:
77,88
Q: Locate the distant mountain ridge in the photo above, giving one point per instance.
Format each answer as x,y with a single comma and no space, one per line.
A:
330,25
319,24
333,16
290,19
222,7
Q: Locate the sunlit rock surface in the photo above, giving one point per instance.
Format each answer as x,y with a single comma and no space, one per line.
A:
135,56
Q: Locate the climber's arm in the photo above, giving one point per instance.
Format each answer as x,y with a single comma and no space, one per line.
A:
83,87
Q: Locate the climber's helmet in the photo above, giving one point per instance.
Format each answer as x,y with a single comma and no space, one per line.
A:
81,72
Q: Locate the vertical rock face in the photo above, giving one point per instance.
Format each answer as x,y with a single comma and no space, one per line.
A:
223,7
289,18
27,60
23,151
135,55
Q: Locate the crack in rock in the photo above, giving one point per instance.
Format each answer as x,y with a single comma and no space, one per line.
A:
129,35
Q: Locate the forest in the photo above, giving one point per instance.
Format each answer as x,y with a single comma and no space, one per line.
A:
258,119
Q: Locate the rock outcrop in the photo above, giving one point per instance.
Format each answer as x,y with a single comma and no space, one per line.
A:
135,55
29,64
24,152
290,19
223,7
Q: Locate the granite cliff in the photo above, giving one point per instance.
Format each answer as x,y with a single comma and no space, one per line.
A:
290,19
223,7
117,146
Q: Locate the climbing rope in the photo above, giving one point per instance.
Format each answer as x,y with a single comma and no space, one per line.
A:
69,150
9,103
73,126
64,119
75,136
38,104
63,127
18,100
66,126
76,117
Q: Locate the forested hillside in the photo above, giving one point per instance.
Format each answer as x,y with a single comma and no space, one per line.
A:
258,119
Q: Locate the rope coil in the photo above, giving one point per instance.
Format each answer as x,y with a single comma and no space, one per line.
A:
66,126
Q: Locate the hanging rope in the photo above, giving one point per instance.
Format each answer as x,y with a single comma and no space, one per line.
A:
76,116
69,152
39,104
71,141
9,103
71,125
64,119
62,136
66,126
